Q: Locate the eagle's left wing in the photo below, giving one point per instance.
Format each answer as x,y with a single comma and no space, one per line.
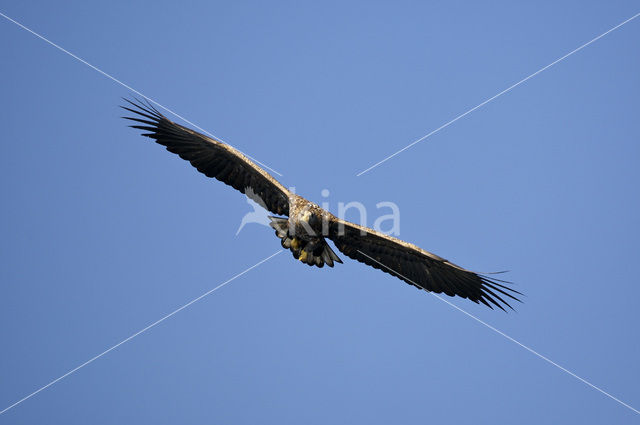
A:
211,157
416,266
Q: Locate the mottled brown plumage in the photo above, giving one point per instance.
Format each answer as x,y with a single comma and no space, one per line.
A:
308,226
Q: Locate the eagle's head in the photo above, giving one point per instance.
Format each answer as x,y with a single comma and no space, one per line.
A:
313,220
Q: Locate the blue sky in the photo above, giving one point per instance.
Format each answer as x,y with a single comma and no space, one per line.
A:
104,233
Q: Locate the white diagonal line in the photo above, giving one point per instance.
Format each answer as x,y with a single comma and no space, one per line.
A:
138,333
497,95
131,89
531,350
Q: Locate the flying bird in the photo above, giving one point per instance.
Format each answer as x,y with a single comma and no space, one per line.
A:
258,215
308,227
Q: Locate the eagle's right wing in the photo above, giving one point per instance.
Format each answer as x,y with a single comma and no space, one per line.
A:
416,266
211,157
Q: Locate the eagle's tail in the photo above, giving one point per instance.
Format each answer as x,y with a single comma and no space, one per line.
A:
313,253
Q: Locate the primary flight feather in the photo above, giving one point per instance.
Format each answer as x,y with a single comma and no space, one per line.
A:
308,226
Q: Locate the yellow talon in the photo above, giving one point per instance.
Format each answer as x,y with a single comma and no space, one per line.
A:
303,256
295,243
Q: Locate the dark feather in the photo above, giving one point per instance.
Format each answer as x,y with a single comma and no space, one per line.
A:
209,156
416,266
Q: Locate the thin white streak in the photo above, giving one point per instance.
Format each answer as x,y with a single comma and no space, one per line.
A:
497,95
131,89
138,333
509,338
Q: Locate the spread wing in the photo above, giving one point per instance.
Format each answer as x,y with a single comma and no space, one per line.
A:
416,266
211,157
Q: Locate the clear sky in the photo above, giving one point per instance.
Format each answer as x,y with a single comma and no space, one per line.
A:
104,232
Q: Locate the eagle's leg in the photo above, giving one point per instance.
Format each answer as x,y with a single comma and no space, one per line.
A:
313,252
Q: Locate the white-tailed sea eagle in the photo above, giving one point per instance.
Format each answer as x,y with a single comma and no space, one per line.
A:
308,226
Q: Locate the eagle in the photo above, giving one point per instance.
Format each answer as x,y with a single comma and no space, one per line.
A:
306,226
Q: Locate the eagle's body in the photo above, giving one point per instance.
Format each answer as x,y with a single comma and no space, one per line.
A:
308,226
304,232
